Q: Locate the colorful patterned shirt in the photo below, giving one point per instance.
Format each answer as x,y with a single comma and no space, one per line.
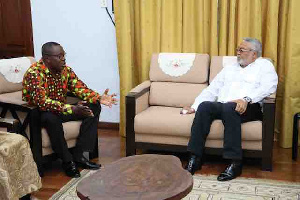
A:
49,93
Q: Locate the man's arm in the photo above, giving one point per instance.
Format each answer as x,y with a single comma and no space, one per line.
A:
212,91
208,94
268,85
79,89
268,82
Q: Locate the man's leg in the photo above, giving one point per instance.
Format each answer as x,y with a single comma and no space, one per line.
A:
232,133
232,136
87,137
232,121
53,125
205,114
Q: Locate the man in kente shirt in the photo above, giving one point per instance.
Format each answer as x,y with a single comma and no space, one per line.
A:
45,85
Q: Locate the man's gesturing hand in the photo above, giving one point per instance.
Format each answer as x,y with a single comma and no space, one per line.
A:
241,105
107,99
186,110
82,111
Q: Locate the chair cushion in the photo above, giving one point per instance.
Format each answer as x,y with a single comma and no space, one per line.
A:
197,74
49,150
174,94
158,120
216,66
71,130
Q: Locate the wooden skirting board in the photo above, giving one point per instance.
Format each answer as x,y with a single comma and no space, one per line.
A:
108,125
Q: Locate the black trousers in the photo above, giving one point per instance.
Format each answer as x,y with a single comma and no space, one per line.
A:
207,112
87,135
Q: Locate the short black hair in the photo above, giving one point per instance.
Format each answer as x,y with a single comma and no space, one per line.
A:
46,48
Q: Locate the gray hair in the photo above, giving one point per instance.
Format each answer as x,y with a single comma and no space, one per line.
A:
257,46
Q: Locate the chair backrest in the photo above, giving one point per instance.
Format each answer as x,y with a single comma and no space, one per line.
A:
6,85
178,91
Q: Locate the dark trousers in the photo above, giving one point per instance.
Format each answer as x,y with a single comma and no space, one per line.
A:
87,135
207,112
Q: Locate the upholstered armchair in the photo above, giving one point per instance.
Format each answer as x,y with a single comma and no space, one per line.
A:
13,107
153,119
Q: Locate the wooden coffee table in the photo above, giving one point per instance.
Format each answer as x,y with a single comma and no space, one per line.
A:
138,177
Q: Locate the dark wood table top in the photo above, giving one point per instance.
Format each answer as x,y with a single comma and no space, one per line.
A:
146,176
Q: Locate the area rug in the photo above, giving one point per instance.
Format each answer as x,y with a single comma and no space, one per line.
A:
208,188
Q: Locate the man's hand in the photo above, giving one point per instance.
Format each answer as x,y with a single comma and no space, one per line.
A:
187,110
241,105
82,111
107,99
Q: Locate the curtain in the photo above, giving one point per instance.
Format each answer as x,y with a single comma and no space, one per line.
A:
215,27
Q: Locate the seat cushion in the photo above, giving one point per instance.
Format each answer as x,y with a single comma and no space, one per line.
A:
48,150
71,130
159,120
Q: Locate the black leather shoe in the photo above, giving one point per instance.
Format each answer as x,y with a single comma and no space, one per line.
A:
86,164
71,169
194,164
232,171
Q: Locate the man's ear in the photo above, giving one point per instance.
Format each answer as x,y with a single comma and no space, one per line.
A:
255,55
45,58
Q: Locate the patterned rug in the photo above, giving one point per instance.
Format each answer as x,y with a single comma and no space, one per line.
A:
208,188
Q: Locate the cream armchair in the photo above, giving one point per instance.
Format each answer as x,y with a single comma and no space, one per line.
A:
153,119
13,107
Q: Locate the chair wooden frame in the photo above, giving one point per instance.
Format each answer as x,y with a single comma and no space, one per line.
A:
295,136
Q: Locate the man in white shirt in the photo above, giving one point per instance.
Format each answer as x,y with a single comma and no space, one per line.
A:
233,96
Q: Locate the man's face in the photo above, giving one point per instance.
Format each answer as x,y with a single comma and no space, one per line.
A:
245,54
56,59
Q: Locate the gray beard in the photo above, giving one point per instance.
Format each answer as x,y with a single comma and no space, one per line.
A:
240,61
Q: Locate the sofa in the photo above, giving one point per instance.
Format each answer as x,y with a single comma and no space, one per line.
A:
12,106
153,119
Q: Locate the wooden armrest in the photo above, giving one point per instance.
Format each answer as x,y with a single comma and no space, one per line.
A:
139,90
137,99
137,94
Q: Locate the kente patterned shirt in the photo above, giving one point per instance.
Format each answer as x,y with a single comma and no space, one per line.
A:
49,93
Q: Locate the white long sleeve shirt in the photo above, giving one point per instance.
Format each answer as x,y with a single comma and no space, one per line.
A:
257,81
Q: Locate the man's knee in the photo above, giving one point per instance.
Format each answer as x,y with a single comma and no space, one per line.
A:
229,107
204,106
50,118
